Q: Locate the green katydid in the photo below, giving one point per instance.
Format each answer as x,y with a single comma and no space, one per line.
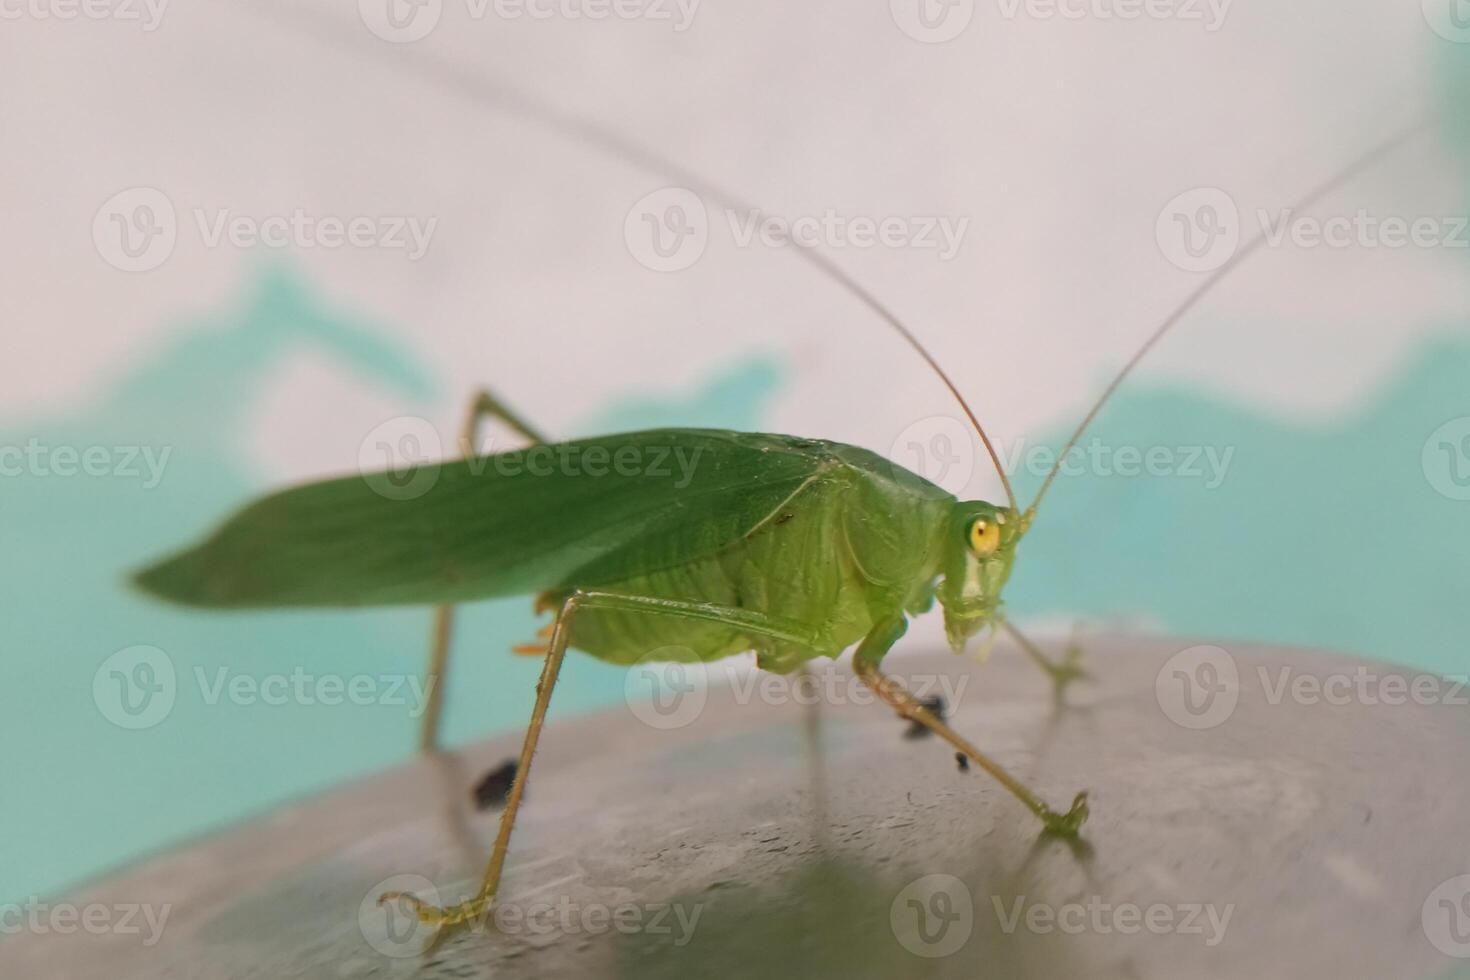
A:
789,547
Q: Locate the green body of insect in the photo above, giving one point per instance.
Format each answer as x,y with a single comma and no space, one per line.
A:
826,541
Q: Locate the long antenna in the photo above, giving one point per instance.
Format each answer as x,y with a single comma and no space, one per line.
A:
1357,167
488,92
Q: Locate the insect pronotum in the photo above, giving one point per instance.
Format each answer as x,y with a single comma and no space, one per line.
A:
633,561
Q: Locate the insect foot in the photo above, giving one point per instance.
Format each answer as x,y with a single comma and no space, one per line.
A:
1066,824
1070,669
432,915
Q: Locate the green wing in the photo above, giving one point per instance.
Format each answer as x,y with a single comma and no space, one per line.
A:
573,513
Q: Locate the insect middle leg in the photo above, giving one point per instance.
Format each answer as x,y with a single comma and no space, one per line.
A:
1062,672
483,406
865,662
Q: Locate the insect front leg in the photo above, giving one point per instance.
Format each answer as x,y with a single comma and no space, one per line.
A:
1061,673
865,662
483,406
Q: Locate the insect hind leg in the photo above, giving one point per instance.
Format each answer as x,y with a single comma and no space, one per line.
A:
753,623
482,406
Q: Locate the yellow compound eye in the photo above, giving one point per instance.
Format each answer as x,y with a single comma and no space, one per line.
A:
984,537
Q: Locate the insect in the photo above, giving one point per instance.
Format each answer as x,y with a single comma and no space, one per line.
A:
794,548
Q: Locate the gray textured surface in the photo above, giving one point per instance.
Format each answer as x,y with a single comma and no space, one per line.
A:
1323,830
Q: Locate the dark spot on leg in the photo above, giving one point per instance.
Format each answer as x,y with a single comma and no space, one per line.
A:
490,792
963,761
935,707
